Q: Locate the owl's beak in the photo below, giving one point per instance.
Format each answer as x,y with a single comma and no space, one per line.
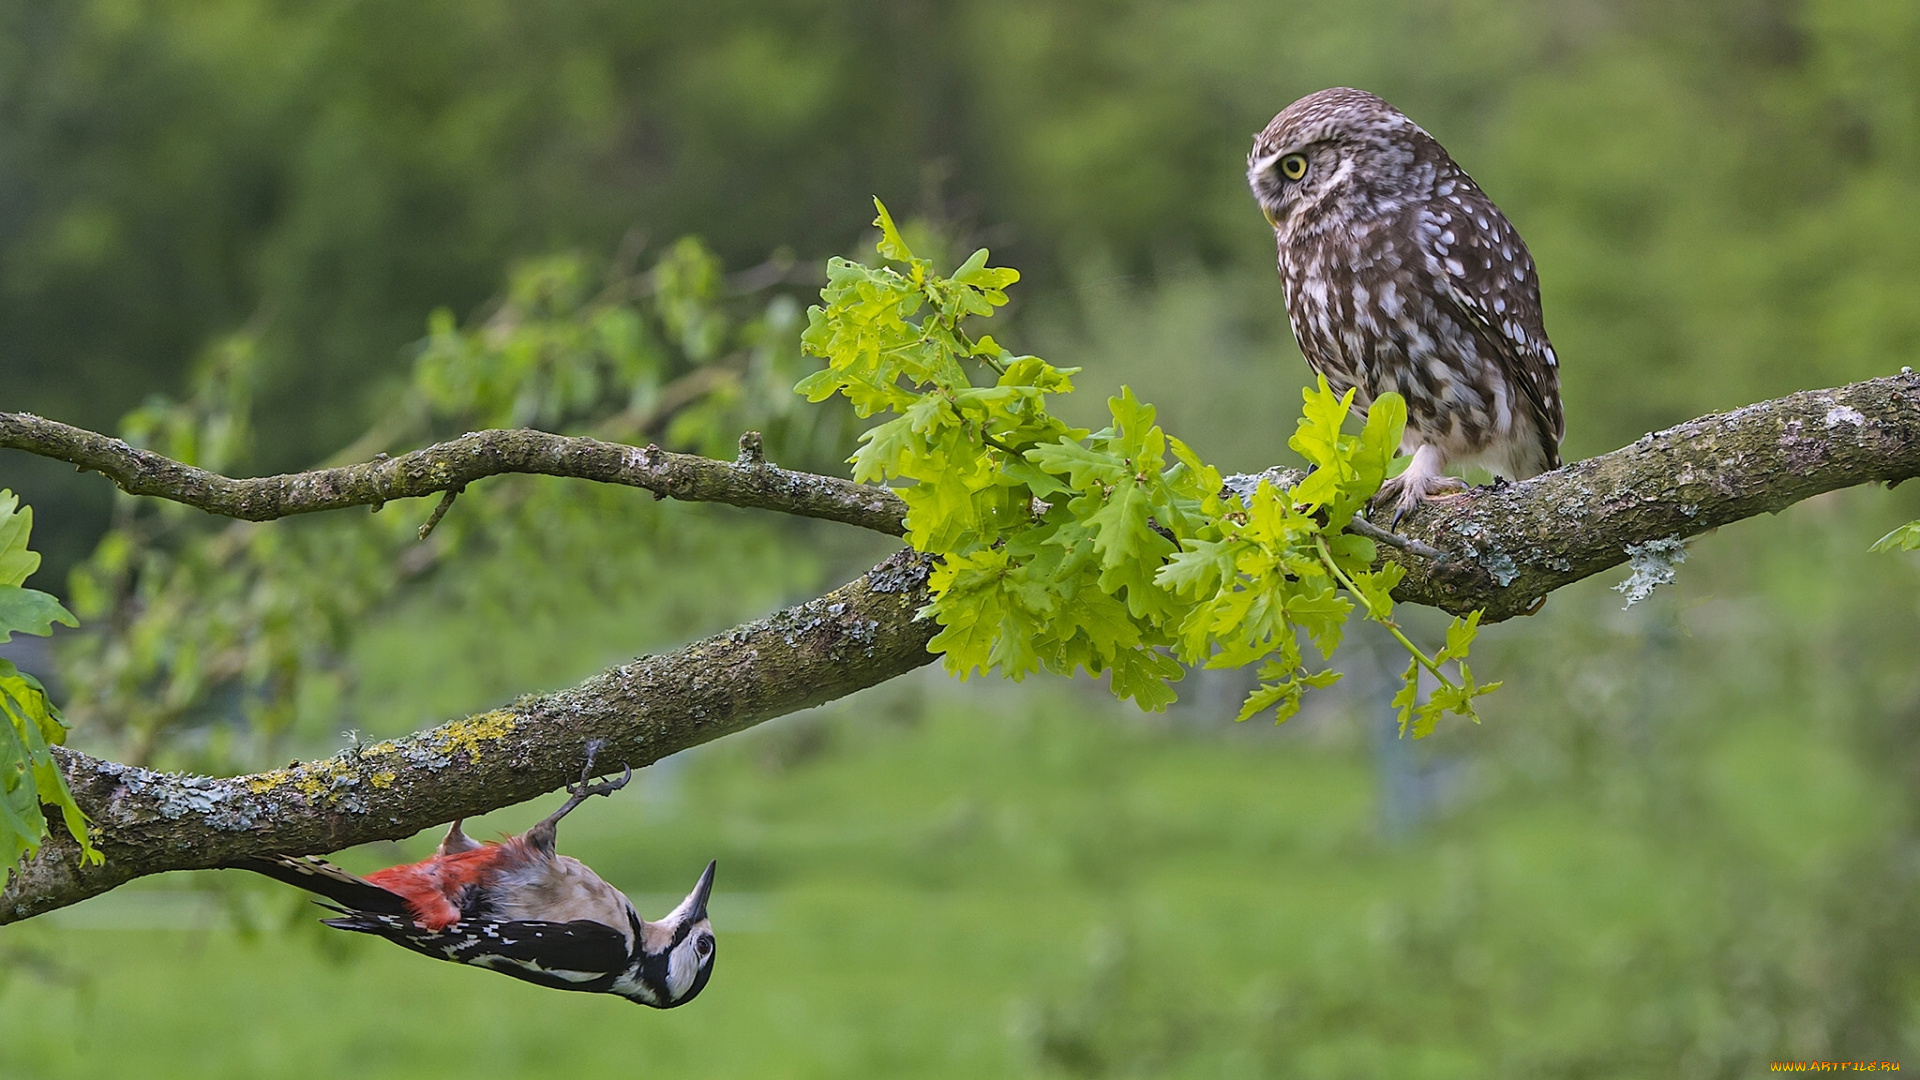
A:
1267,212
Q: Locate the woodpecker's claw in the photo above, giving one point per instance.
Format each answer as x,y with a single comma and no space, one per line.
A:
605,787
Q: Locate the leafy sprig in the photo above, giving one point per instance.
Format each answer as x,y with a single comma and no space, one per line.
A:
29,777
1904,538
1117,550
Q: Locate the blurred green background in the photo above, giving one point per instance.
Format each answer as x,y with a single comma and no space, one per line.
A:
1684,843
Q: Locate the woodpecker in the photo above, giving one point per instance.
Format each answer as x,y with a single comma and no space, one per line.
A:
519,908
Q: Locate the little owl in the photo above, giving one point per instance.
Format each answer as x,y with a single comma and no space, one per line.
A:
1402,275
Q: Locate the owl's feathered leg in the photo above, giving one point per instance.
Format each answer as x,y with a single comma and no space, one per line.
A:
1422,481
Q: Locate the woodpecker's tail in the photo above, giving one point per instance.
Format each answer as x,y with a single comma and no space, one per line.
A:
398,928
320,876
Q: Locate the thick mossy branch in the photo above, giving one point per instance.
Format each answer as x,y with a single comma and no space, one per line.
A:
1502,549
1507,548
147,822
452,465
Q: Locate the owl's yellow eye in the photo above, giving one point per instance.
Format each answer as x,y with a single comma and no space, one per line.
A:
1293,166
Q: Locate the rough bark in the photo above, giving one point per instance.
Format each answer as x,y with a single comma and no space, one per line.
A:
1508,547
1501,549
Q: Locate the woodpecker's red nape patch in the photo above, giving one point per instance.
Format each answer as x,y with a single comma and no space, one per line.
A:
432,887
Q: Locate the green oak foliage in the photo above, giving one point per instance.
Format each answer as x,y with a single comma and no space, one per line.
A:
1904,538
29,778
1118,550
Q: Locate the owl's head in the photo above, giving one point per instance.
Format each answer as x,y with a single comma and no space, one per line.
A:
1336,155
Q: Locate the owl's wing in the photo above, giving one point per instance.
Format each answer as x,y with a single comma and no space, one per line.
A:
1490,278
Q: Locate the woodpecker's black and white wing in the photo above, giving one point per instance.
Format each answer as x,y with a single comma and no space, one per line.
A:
578,955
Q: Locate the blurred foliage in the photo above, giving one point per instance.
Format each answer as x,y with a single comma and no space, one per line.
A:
213,641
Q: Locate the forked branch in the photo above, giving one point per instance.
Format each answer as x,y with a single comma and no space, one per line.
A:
1502,549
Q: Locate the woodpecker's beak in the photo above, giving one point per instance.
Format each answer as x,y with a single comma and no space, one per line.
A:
694,907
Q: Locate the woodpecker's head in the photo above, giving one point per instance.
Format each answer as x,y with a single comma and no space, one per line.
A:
673,957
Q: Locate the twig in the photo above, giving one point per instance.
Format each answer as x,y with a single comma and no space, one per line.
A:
1327,560
440,511
1392,539
753,451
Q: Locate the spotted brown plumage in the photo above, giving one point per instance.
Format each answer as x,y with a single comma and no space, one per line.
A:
1400,274
520,908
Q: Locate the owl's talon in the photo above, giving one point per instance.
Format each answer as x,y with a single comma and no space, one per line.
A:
1415,486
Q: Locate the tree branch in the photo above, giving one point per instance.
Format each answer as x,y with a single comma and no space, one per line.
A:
859,635
1504,549
454,464
1510,546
